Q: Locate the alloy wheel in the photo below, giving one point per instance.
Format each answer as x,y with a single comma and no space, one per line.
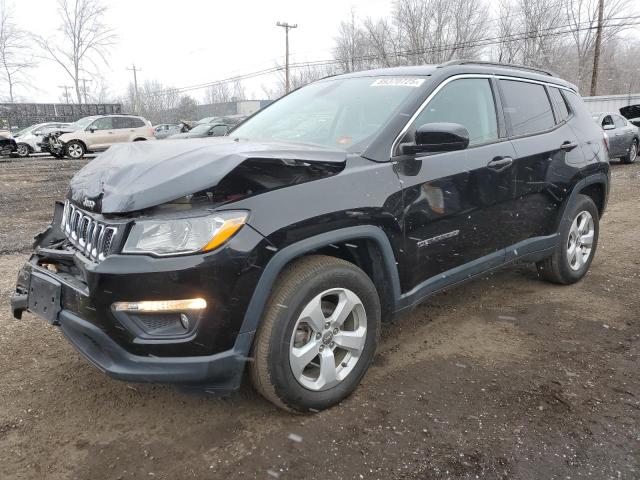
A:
328,339
580,241
633,151
23,150
75,150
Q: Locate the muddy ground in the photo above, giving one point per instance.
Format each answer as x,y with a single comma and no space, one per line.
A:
507,377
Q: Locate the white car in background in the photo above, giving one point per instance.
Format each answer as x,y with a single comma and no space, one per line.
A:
28,139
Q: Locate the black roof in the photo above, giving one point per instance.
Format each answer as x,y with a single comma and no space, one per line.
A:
458,67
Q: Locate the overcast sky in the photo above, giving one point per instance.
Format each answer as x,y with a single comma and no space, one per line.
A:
182,43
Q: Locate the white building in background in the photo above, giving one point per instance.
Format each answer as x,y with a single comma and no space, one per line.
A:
611,103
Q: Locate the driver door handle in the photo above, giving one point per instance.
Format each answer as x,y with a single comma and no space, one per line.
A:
500,163
568,146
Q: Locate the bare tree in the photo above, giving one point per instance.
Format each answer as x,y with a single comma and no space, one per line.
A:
83,39
582,16
218,93
350,48
15,57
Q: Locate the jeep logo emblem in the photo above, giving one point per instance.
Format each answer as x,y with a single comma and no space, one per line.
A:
89,203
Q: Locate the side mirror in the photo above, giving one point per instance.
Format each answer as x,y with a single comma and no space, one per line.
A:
439,137
92,129
608,127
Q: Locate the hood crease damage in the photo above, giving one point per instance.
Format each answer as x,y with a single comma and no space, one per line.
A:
136,176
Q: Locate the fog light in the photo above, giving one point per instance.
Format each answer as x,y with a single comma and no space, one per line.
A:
162,306
184,321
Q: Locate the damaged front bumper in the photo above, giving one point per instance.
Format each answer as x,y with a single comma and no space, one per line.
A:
64,288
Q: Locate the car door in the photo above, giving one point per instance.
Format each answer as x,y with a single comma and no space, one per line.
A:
546,148
100,134
123,129
457,205
623,134
615,142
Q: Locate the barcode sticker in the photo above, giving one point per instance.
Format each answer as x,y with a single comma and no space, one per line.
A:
398,82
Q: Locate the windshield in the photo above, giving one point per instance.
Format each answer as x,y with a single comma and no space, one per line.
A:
341,112
203,128
81,124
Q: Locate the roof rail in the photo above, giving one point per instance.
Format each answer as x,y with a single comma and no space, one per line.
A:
497,64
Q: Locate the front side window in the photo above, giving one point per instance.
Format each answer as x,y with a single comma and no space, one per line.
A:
607,121
104,123
468,102
527,107
343,113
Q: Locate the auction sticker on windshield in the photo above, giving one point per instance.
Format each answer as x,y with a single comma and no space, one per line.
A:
398,82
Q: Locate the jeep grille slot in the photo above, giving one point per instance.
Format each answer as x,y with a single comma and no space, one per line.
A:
91,237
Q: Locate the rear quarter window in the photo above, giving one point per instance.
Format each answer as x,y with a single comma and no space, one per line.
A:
137,123
561,108
526,107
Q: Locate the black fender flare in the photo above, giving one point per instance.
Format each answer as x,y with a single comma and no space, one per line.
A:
600,178
283,257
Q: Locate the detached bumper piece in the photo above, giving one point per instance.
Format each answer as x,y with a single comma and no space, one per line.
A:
219,373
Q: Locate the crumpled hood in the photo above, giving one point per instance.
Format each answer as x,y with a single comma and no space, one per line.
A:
138,175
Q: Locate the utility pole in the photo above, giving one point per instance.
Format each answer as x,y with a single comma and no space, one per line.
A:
135,86
596,52
84,88
66,92
286,27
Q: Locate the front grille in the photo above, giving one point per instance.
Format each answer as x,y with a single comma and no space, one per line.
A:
92,237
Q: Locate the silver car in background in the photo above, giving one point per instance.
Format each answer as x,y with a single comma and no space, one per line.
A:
623,136
28,139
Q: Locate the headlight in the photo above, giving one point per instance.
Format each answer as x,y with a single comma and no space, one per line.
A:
185,235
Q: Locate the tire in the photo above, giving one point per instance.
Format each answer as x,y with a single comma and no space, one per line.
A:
75,150
23,150
285,331
633,153
570,261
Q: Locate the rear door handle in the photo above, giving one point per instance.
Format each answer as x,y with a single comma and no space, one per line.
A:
500,163
618,134
568,146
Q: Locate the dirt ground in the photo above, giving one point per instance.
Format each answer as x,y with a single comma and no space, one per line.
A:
505,378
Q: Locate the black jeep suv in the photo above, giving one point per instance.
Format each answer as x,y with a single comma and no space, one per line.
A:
281,247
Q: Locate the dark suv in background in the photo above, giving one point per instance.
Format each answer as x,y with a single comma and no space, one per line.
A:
339,206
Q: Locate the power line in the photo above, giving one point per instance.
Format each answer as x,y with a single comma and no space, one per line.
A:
409,53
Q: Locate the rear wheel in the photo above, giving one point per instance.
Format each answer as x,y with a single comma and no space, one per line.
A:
578,241
23,150
633,153
318,336
74,149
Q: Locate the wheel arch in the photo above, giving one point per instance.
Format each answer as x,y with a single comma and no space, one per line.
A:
594,186
377,260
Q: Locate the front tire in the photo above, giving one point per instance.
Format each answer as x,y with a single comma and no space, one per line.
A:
318,336
23,150
74,150
577,247
633,153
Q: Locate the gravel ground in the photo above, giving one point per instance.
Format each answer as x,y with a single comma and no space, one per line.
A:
507,377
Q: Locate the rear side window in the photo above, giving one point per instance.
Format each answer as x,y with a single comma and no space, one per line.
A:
562,111
121,122
527,107
468,102
136,122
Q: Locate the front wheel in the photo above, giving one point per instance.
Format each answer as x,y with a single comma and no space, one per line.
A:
74,149
633,153
23,150
318,336
578,241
